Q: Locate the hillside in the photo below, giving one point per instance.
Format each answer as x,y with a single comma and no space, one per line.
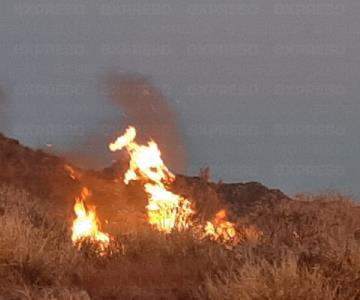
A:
44,176
303,248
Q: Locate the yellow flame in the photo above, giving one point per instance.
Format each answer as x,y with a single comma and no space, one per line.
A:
86,225
166,210
220,229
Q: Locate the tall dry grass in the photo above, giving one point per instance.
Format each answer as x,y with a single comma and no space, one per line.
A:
310,250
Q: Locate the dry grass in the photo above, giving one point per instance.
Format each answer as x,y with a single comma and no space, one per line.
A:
310,250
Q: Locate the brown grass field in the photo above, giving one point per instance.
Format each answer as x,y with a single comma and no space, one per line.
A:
310,249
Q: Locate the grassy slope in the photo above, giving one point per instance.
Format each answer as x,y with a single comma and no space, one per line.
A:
310,250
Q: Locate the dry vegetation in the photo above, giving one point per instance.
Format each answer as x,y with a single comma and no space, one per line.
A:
310,250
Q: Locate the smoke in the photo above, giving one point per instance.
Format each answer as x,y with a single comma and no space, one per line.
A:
143,106
146,108
139,104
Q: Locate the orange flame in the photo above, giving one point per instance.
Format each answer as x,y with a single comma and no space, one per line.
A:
86,225
220,229
166,210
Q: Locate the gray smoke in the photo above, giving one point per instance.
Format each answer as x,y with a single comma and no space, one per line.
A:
146,108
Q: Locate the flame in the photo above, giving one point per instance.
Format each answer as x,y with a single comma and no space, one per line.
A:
86,225
166,210
145,160
220,229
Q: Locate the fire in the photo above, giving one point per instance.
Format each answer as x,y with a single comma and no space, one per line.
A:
220,229
86,225
145,160
166,210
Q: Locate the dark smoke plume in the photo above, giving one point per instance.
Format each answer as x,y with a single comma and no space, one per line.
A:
148,110
142,105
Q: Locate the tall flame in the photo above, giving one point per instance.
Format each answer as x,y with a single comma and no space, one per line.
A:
86,225
166,210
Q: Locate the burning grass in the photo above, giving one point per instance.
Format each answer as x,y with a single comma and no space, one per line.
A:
310,249
167,211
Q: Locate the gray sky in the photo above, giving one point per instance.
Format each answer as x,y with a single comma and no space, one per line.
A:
264,90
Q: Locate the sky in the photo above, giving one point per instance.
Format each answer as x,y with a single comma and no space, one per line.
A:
263,90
